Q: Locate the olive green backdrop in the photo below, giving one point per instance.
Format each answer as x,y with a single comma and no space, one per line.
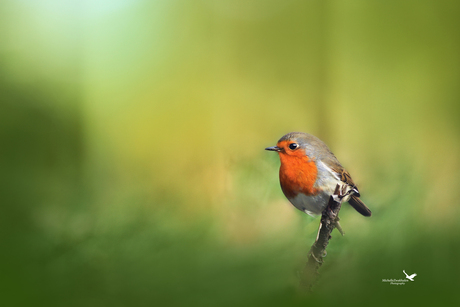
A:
132,163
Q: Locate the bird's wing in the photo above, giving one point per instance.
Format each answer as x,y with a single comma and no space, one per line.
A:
345,177
337,169
335,166
412,276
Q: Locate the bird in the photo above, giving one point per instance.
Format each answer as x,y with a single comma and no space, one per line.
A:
309,174
410,277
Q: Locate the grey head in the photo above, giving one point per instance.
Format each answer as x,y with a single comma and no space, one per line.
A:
314,148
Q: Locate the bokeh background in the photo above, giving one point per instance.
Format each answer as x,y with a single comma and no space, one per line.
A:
132,163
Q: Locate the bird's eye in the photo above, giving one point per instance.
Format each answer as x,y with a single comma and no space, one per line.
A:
293,146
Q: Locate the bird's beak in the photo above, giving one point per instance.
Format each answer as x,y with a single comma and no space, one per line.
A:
274,148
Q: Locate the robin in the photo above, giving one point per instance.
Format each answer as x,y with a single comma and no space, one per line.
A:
310,172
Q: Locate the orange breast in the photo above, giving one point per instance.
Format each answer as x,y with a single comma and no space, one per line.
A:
297,175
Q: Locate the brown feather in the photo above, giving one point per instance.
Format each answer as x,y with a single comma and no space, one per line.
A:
359,206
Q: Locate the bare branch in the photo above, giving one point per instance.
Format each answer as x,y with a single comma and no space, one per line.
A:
329,221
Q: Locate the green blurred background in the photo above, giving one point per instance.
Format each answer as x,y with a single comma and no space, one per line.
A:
132,136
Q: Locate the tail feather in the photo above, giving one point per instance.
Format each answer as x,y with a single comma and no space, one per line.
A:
359,206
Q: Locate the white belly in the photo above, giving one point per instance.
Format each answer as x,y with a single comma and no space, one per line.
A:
312,205
327,181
